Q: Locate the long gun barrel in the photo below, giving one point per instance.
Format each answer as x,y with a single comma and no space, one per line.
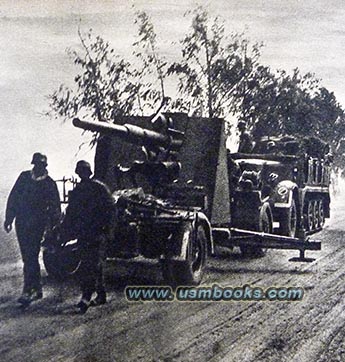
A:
130,133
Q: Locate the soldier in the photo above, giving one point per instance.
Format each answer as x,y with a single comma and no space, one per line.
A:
34,203
246,144
87,219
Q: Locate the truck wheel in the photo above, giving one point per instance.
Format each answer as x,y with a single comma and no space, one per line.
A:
191,270
316,214
265,225
61,263
288,220
310,216
321,214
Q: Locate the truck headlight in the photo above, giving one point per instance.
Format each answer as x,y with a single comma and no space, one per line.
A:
283,193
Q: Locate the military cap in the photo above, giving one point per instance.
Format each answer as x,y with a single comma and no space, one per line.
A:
38,158
241,124
83,166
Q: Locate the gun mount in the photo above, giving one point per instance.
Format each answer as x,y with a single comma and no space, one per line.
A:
180,153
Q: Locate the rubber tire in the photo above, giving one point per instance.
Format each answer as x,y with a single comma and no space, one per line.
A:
288,227
316,214
61,263
191,270
265,225
321,214
310,216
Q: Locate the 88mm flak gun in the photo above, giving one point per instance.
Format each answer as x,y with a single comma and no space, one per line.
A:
171,181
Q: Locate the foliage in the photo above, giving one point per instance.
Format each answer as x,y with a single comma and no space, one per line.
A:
217,76
151,74
220,75
280,104
213,67
103,86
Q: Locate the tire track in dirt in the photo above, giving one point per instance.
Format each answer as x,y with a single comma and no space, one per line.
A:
191,331
227,320
267,318
197,321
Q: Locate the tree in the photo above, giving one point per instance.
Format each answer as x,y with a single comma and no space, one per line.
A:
216,76
213,67
326,108
107,86
277,103
152,72
282,104
258,100
103,87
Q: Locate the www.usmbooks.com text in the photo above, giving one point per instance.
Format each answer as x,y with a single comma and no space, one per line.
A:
214,293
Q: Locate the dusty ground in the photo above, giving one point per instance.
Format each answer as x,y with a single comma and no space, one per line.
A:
309,330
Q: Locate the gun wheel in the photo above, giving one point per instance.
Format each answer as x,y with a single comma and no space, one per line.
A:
189,271
62,263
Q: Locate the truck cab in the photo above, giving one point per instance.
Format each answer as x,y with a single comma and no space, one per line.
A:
293,176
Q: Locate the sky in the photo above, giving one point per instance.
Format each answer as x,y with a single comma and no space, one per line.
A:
33,62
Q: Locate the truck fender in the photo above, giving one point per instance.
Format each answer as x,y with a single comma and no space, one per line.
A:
203,220
283,194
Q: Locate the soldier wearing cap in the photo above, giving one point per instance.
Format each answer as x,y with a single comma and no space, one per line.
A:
87,219
246,144
34,204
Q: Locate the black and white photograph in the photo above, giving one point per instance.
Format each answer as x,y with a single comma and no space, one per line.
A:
172,182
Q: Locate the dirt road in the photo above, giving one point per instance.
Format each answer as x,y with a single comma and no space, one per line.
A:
309,330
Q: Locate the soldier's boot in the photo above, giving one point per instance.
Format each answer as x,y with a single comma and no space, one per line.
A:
29,296
84,303
83,306
37,294
24,299
100,299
